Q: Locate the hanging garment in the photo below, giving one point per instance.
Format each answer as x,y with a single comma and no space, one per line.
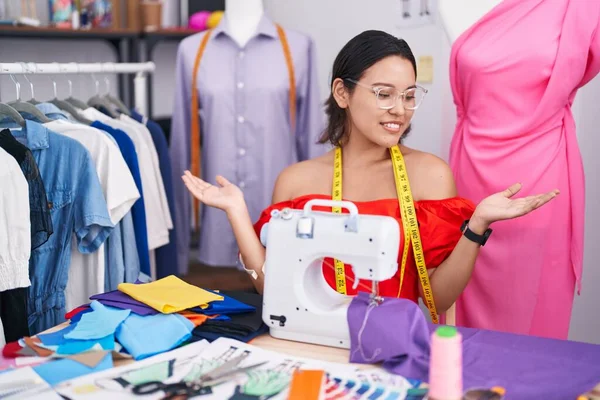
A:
138,211
146,136
152,185
78,208
88,272
39,213
166,256
122,260
15,247
244,116
513,88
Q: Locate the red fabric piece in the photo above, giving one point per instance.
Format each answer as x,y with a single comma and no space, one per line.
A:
439,225
76,311
11,350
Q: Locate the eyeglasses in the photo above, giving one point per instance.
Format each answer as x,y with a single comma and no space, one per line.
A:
387,97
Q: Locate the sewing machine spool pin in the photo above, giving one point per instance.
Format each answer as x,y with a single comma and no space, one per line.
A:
298,303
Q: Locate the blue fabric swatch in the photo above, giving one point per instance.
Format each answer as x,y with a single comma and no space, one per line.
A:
70,346
103,321
221,318
55,372
143,337
56,338
228,305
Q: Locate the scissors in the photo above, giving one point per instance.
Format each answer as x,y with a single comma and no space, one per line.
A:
186,389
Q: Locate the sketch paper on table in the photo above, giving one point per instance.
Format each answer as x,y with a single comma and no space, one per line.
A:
25,383
414,13
269,381
106,384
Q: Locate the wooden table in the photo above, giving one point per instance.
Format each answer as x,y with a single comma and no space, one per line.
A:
268,342
323,353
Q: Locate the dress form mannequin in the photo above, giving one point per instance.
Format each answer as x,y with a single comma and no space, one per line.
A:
459,15
241,77
243,17
524,280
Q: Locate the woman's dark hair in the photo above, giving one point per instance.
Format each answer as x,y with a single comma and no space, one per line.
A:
359,54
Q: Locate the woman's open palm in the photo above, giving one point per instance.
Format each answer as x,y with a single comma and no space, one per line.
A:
226,196
502,205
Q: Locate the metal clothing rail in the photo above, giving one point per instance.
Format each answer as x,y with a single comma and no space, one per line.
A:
141,70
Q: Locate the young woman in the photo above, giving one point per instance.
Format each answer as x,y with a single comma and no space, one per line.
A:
373,99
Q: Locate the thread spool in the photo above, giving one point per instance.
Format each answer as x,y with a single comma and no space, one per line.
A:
445,366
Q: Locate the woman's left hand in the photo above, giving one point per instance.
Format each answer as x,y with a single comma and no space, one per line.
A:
501,206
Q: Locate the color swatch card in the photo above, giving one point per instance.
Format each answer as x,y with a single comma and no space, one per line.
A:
272,379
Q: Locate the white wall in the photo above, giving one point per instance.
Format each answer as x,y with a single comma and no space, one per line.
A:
585,321
332,23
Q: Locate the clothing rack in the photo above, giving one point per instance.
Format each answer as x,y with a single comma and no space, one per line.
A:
141,70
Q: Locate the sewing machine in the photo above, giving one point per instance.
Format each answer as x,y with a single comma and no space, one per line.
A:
298,304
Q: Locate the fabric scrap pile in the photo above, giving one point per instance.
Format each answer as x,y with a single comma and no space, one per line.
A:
137,321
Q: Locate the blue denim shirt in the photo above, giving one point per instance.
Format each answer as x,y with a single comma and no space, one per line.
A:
77,206
122,262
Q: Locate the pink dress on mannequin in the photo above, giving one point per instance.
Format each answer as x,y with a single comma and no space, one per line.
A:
514,75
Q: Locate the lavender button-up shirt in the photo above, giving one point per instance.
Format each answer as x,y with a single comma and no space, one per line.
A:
245,126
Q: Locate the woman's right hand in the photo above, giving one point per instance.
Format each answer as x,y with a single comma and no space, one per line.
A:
227,196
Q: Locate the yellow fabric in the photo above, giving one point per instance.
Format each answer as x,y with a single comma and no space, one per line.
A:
169,295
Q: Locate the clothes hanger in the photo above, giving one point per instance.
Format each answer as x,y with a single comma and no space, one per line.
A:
99,101
121,107
63,105
32,100
73,101
24,107
8,111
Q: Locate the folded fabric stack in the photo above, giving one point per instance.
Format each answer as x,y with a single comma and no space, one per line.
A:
245,323
137,321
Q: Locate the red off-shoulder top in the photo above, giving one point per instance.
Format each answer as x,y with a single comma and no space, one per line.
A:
439,225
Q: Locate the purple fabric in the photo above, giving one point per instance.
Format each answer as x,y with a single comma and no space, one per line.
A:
528,367
121,300
404,342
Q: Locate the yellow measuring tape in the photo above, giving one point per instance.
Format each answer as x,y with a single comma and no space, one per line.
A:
340,272
409,225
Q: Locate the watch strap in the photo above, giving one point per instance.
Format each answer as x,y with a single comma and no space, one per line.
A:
474,237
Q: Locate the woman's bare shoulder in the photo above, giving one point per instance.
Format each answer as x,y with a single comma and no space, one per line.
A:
302,178
432,175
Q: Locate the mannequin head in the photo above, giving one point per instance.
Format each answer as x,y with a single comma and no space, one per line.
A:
372,62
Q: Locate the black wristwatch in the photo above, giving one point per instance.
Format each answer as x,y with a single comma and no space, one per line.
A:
474,237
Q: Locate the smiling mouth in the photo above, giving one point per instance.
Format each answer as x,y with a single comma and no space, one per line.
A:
393,127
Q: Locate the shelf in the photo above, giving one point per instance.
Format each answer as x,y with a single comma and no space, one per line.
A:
60,33
116,37
169,34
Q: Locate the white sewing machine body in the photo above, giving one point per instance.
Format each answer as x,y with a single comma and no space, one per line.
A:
298,304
